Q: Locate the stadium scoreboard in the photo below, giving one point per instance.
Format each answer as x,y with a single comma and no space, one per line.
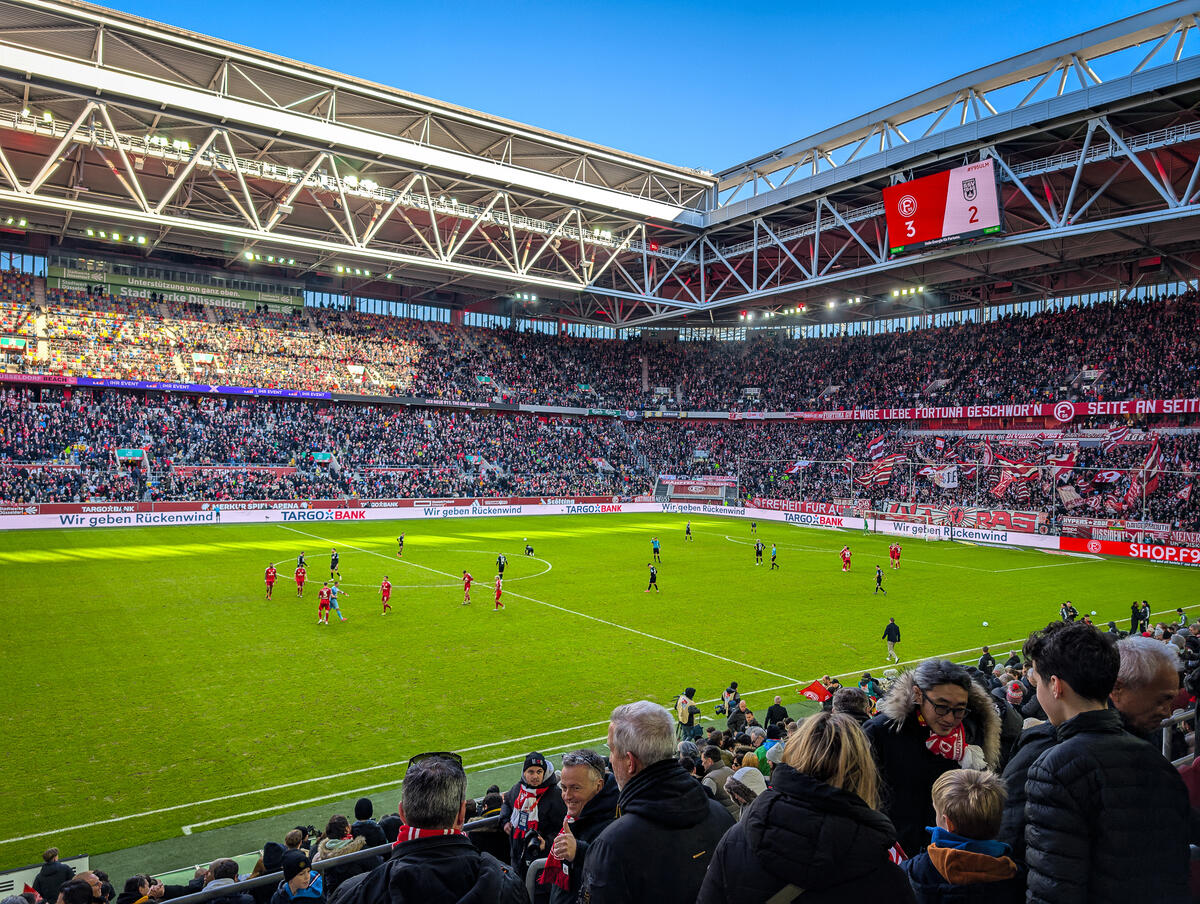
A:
945,207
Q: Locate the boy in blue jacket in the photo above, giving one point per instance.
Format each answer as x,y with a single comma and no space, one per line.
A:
964,864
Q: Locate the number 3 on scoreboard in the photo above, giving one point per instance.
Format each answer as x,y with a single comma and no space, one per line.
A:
909,228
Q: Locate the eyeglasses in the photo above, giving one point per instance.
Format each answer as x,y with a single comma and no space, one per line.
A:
945,709
442,755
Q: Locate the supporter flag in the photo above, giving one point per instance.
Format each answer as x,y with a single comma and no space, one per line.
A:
875,448
968,471
797,467
1070,498
817,692
1107,477
1002,485
880,473
989,457
1185,494
1151,466
940,445
1061,466
1114,436
1021,492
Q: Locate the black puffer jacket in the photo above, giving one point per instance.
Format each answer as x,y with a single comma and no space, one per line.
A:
596,816
660,845
906,766
808,834
1106,819
1032,743
551,811
442,870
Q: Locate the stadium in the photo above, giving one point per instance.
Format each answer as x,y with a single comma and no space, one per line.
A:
577,456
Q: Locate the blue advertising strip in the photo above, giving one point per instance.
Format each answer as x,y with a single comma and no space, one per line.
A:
202,387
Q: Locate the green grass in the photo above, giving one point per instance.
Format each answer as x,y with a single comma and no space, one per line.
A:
143,669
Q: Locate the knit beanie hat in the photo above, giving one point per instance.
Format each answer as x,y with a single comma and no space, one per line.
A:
535,759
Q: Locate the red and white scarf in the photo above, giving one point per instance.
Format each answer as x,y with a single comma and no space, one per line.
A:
524,818
951,746
412,833
556,871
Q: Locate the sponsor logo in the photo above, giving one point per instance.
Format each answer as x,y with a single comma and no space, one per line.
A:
325,515
604,509
814,520
1094,546
1064,411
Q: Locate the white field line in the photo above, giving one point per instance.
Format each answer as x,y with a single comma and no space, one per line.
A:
1035,567
486,764
524,577
611,624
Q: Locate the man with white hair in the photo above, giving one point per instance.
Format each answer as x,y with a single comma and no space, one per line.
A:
776,713
661,845
1147,683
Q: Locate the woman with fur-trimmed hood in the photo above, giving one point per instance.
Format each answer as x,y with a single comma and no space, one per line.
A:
933,719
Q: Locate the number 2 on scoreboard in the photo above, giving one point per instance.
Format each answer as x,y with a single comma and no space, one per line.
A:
974,214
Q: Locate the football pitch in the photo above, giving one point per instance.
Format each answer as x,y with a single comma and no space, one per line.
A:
152,690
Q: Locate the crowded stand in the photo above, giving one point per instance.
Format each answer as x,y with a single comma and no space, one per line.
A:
1135,349
1050,776
212,448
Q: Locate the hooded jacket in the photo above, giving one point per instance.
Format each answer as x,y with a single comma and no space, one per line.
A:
715,780
596,816
551,813
314,894
661,843
806,833
1106,818
446,869
906,766
958,870
328,848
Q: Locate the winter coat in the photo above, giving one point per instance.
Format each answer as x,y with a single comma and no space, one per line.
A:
370,830
328,848
596,816
50,878
445,869
1010,724
907,767
1106,818
314,894
551,813
736,721
957,870
715,780
234,897
660,845
776,714
1032,743
812,835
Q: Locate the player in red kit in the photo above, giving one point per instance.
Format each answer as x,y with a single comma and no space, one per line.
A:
269,577
846,558
385,593
301,577
499,590
896,555
467,579
323,605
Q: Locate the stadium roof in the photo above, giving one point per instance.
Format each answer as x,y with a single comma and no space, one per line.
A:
230,155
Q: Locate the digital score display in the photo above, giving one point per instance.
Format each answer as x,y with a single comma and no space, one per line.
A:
945,207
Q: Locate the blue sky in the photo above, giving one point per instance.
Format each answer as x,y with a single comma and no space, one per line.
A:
702,84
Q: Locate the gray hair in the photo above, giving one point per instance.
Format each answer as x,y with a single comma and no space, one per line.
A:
434,791
689,748
588,758
1142,658
644,729
757,731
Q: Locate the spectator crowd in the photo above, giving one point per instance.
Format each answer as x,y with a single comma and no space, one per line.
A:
1134,349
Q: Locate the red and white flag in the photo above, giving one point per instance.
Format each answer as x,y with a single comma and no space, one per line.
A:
1185,494
1061,466
816,692
875,447
1114,436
